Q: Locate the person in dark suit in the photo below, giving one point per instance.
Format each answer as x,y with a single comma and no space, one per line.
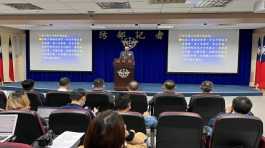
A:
98,86
207,88
169,89
78,99
127,54
241,106
28,87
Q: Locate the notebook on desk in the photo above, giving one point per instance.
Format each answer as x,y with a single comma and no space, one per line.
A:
7,126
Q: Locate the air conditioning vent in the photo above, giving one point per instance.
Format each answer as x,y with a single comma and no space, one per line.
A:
166,1
114,4
24,6
208,3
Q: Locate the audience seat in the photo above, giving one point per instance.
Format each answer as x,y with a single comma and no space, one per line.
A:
29,126
3,99
57,99
207,106
69,120
14,145
139,102
179,130
35,100
100,100
168,103
134,121
262,143
236,131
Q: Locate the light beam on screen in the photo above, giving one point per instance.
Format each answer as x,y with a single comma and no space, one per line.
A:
61,50
199,51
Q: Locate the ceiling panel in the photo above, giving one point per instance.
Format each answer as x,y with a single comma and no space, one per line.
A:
88,26
138,6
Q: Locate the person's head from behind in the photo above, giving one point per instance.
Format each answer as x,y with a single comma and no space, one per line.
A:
64,82
169,85
78,96
98,84
17,101
206,86
105,131
133,86
242,105
28,84
123,103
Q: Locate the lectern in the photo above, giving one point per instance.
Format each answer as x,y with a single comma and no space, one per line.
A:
123,73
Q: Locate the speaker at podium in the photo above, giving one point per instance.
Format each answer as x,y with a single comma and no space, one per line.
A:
124,66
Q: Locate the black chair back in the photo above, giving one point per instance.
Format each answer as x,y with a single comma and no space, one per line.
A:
179,130
99,100
139,102
235,131
134,121
29,126
57,99
35,100
3,99
168,103
69,120
207,106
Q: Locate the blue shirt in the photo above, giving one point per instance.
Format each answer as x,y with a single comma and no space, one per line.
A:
76,106
72,106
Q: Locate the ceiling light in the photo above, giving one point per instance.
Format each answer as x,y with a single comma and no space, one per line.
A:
165,27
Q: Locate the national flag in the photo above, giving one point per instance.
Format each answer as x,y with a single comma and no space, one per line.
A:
1,62
262,66
258,64
11,66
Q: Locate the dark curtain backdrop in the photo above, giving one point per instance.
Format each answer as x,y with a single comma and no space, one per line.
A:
151,60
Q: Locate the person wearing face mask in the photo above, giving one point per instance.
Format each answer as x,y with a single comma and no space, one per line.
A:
78,99
127,54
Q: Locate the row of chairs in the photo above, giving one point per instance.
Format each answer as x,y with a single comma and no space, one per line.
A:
175,129
206,106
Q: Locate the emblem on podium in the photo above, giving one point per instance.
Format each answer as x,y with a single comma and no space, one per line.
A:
123,73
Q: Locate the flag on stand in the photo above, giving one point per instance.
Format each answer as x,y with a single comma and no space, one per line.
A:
11,66
258,64
262,66
1,63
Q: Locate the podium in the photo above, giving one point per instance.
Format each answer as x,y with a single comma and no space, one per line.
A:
123,73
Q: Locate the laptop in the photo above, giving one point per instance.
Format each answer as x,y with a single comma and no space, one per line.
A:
8,124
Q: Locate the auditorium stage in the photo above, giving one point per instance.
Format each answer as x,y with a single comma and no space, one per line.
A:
149,88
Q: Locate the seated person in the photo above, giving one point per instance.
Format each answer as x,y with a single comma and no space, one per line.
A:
127,54
123,105
107,130
206,87
64,84
18,101
28,86
78,100
134,87
169,88
98,86
241,106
